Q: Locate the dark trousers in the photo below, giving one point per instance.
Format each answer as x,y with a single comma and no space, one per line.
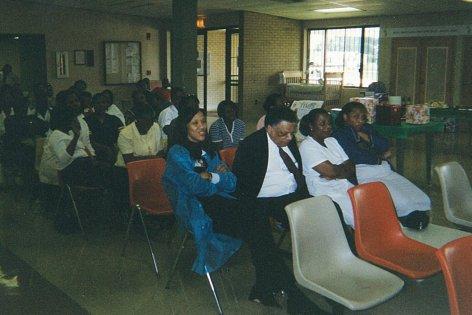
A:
249,220
85,172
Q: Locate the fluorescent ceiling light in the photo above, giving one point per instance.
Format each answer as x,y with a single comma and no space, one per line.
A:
337,10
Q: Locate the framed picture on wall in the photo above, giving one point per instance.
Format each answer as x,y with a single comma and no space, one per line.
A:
122,64
79,57
62,64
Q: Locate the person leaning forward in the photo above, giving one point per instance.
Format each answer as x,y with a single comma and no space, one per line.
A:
269,175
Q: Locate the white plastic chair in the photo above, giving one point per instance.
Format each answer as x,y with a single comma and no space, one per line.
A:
324,263
456,193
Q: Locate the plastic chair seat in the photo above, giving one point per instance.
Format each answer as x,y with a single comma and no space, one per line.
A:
456,258
380,239
456,193
407,257
435,235
355,284
324,263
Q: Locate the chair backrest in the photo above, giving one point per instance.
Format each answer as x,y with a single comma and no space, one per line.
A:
374,215
227,155
456,259
145,186
292,77
455,188
318,238
333,82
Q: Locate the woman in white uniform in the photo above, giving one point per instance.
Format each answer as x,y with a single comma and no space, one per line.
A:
370,153
326,167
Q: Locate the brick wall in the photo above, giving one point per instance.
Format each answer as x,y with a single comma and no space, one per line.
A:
269,45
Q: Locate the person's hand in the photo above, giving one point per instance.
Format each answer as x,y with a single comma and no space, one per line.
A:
387,154
222,168
75,126
205,176
363,136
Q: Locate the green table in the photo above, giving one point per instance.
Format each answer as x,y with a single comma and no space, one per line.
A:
402,132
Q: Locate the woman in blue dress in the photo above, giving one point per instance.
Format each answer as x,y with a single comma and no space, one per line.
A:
370,153
200,185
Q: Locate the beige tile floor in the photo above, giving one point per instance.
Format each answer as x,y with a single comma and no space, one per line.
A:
95,275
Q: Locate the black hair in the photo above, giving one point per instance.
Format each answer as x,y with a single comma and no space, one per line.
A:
143,111
308,119
189,101
174,91
181,134
97,97
62,117
109,95
76,84
85,94
62,96
223,105
271,100
346,110
278,114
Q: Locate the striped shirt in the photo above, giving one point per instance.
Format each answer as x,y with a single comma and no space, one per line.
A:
219,132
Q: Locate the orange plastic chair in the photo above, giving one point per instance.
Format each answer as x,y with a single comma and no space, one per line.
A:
380,239
456,258
227,155
146,194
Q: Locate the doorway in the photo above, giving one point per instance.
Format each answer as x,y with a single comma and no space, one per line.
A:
217,66
26,53
422,69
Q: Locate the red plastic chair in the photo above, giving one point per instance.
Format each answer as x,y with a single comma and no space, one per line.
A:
380,239
227,155
456,258
146,194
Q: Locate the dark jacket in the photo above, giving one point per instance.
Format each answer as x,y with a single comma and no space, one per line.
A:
250,163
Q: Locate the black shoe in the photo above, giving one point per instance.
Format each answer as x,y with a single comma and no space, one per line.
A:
299,304
417,220
267,299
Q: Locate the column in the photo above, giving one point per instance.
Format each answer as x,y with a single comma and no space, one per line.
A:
184,44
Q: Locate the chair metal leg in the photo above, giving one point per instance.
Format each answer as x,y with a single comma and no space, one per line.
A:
75,209
59,201
176,261
220,311
148,241
131,219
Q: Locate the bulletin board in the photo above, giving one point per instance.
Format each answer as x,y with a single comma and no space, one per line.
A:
122,62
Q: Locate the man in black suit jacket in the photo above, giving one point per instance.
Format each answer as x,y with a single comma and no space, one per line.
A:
268,168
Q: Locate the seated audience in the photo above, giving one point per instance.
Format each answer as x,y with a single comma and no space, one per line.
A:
79,86
43,110
171,112
140,140
269,175
112,108
85,99
65,151
104,130
273,100
139,100
370,153
18,142
9,78
325,165
144,86
187,102
196,177
227,130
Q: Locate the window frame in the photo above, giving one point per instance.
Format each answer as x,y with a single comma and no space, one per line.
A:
361,69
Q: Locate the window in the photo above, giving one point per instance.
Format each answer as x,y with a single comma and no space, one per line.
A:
352,51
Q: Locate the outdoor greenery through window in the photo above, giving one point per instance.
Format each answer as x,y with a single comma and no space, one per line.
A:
352,51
